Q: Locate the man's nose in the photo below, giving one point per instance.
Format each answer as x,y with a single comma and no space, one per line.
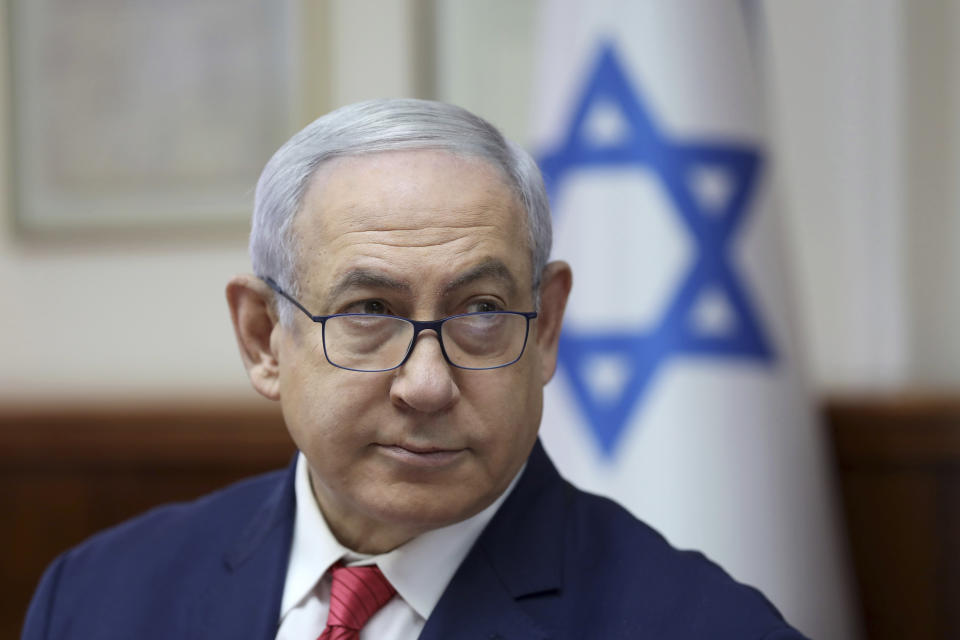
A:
425,382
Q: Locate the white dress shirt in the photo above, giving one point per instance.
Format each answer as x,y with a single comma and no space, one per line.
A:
419,570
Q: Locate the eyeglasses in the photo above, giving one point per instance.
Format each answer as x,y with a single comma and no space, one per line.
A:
379,342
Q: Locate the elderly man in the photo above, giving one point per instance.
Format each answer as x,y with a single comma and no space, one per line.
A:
405,316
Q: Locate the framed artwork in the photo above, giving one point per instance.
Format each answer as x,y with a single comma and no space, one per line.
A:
137,114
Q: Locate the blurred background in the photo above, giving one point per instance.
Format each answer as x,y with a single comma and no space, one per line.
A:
133,133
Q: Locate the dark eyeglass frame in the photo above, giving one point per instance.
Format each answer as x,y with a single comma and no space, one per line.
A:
418,326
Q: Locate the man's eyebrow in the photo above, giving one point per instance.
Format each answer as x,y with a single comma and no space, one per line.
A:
491,268
362,278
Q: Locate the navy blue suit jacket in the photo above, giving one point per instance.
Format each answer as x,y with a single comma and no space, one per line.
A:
554,562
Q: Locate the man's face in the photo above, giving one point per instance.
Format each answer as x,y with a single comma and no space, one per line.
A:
424,235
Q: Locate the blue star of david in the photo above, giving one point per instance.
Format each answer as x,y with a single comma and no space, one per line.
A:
672,162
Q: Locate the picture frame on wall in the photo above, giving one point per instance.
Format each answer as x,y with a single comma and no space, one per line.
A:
141,115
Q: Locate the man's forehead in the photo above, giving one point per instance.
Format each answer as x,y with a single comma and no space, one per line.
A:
489,270
410,199
391,219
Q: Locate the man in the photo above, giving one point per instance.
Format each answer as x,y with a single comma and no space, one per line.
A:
404,315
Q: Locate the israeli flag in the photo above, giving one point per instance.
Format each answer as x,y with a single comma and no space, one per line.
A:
678,391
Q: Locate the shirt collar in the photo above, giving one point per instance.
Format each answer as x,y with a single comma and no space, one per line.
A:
313,550
419,570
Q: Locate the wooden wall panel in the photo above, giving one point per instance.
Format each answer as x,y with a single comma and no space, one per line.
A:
898,459
949,523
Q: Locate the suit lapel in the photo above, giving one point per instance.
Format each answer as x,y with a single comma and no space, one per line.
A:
519,555
244,598
476,605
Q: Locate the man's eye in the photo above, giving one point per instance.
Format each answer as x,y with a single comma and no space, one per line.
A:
375,307
483,306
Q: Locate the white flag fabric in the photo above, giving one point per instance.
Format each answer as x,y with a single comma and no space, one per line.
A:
678,391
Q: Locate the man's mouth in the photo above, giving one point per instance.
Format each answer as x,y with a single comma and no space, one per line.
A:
420,455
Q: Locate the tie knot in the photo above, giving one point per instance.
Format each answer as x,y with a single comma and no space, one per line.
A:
355,595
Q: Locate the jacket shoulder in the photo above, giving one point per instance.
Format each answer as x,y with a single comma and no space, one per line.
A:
132,568
623,566
209,520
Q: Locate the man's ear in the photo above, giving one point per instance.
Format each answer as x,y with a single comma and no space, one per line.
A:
254,320
554,291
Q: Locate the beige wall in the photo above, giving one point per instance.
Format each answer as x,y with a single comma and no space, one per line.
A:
863,116
102,320
864,100
932,204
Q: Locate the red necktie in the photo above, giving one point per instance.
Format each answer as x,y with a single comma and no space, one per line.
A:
356,594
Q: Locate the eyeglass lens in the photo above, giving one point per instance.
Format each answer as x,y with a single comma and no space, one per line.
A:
375,343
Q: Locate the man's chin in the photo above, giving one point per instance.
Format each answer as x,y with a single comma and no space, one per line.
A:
423,509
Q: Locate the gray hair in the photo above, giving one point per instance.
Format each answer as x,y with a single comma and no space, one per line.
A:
375,126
